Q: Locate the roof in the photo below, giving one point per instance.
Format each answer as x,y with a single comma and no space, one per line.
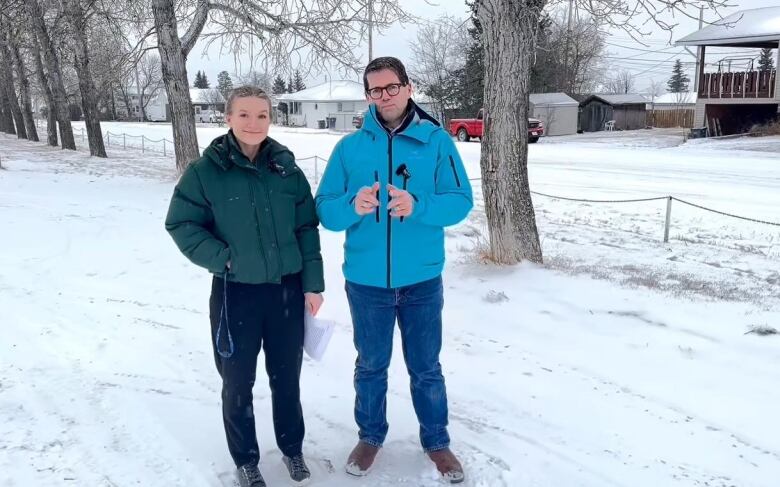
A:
684,98
759,27
541,99
628,99
205,95
336,90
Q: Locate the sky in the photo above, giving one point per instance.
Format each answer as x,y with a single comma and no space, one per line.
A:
624,53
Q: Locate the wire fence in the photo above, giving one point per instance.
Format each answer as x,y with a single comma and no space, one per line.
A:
164,146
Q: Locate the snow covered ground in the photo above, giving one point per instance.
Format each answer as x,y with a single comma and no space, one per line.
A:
623,361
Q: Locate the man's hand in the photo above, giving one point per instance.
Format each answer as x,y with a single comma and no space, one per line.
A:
402,203
313,302
365,201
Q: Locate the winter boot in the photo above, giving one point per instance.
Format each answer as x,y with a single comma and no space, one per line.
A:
299,472
448,465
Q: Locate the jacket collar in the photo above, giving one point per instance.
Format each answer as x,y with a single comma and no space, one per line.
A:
225,152
420,127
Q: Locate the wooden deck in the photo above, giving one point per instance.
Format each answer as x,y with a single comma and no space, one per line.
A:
738,85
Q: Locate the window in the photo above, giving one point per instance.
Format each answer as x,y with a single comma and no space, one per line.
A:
346,106
295,108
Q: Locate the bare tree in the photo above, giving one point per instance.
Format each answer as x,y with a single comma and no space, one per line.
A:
148,81
52,63
510,30
45,87
316,33
23,79
7,81
255,78
77,17
213,97
436,53
620,84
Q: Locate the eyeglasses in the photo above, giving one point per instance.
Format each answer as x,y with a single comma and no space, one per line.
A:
391,89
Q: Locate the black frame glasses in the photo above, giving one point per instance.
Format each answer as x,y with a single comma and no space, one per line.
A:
392,90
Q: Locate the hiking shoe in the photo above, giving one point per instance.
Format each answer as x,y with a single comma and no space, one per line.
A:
361,459
448,465
299,472
249,476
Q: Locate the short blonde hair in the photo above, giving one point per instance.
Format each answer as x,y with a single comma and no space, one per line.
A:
246,92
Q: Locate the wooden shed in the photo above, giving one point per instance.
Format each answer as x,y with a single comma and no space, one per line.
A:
629,112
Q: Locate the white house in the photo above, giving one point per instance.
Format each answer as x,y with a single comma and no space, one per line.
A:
156,110
558,112
333,104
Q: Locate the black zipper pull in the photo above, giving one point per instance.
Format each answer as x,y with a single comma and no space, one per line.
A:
376,180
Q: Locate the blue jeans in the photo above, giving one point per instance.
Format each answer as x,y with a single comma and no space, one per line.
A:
418,310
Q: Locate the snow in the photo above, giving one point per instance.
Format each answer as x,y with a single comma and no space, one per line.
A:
545,99
626,99
336,90
759,25
623,361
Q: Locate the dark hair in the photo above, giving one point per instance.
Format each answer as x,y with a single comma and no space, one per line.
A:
393,64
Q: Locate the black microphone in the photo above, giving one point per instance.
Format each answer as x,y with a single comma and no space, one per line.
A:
403,171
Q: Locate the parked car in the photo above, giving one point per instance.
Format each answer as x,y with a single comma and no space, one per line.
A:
210,116
466,128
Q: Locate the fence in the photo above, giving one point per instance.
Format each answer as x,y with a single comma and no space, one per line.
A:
168,144
678,117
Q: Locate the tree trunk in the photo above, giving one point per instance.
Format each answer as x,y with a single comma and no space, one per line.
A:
140,93
174,72
55,75
24,94
6,117
89,95
51,106
509,39
7,81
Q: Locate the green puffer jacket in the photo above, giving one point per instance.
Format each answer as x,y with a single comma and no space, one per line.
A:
260,216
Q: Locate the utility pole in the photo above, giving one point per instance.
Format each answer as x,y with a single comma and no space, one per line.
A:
370,30
567,86
698,54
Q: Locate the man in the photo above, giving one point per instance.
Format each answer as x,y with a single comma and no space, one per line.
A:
393,186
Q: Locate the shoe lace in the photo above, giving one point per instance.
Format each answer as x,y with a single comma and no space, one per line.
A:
297,464
252,473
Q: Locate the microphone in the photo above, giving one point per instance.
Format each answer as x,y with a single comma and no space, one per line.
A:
403,171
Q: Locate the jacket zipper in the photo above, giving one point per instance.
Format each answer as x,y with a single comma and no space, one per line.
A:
454,172
376,180
389,219
257,222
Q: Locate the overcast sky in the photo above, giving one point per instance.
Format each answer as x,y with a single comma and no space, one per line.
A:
622,51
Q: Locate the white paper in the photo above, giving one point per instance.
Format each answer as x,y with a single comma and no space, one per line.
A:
316,336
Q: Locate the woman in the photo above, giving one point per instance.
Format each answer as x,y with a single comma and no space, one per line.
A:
245,212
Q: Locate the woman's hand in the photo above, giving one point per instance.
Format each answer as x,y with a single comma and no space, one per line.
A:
313,302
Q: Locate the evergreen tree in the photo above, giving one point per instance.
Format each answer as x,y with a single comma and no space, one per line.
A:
468,81
197,79
279,86
299,84
290,87
678,83
766,62
201,81
224,84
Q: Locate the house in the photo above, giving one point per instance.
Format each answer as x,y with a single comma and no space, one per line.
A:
626,112
333,104
673,101
206,100
558,112
336,104
156,106
733,94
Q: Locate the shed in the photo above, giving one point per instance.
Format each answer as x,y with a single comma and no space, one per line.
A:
558,111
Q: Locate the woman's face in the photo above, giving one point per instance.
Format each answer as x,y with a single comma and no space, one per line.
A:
250,118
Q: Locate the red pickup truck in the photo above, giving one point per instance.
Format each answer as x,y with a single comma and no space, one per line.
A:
466,128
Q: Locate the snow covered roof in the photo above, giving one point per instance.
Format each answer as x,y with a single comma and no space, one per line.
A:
542,99
759,27
675,99
204,95
336,90
628,99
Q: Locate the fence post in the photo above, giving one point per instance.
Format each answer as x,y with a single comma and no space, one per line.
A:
142,143
316,170
668,218
108,138
124,141
82,134
164,153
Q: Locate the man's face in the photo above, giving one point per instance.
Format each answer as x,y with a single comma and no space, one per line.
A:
390,107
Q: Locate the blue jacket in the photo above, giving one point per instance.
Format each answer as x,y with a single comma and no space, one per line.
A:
381,250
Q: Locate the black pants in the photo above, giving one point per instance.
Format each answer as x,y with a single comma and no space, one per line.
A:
268,316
